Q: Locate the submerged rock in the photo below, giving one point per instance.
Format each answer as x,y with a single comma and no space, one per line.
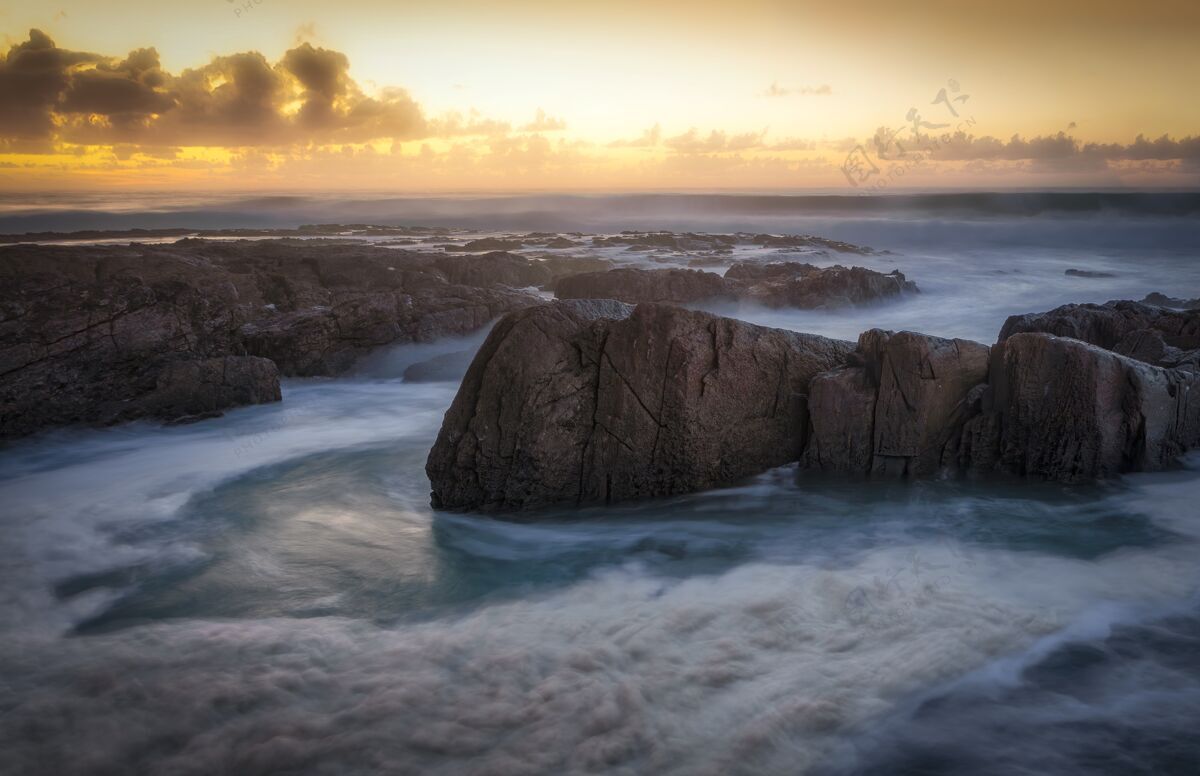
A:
593,401
1087,273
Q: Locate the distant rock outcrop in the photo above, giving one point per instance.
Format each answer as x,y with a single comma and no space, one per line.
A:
779,284
593,401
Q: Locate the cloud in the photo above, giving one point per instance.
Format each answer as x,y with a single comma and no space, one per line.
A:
691,142
544,123
50,94
1062,147
775,90
648,139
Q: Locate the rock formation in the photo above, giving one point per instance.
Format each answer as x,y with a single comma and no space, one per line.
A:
900,410
591,401
778,284
634,286
579,402
100,334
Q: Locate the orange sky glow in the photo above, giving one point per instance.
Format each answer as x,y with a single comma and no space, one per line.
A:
532,95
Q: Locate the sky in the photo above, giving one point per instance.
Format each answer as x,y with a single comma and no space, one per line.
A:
526,95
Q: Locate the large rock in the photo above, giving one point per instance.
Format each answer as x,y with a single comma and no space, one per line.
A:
792,284
1108,324
206,387
778,284
86,332
634,286
579,402
900,411
1071,411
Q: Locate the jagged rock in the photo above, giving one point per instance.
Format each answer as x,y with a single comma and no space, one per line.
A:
497,268
807,241
900,411
205,387
780,284
85,331
587,401
678,286
792,284
487,244
1072,411
1108,324
1162,300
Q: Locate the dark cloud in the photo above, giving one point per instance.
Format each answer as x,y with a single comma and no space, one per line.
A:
33,77
1062,147
49,94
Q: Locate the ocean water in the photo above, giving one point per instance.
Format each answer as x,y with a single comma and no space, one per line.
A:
270,592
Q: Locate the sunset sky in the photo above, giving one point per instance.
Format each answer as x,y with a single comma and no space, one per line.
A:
614,95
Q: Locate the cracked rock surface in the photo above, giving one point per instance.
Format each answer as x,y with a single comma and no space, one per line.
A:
579,402
103,334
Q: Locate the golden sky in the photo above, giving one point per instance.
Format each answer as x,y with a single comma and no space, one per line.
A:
613,95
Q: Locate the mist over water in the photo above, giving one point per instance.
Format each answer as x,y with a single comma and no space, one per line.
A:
271,592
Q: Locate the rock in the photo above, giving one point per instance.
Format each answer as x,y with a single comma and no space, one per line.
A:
86,331
494,269
791,284
807,241
780,284
1087,273
678,286
1162,300
1071,411
900,411
560,242
1108,324
578,402
442,368
487,244
670,241
209,386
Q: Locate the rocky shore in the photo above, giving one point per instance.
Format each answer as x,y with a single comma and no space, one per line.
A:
584,402
182,329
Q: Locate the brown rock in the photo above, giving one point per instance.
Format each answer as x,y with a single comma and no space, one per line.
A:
1072,411
567,404
901,411
634,286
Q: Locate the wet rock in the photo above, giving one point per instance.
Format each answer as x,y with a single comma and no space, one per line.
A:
1108,324
1071,411
900,410
780,284
807,241
633,286
1162,300
487,244
497,268
792,284
86,331
1087,273
206,387
587,401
